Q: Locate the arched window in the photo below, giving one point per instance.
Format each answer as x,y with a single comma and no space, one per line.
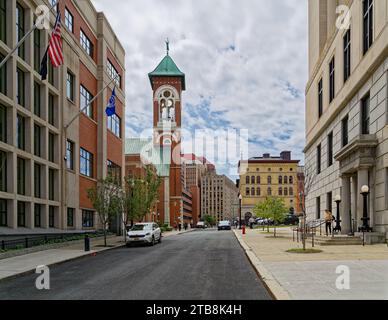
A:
247,179
269,191
167,106
258,191
285,192
285,179
280,180
247,191
291,180
253,180
269,180
291,191
258,180
253,192
280,191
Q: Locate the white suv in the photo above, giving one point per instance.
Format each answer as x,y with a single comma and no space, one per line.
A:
148,233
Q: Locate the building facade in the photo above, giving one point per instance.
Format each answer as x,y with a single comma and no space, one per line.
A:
267,176
219,197
347,112
47,164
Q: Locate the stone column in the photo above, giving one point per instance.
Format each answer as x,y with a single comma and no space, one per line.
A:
354,199
345,213
362,177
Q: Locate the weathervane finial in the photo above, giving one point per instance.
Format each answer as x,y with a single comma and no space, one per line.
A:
168,46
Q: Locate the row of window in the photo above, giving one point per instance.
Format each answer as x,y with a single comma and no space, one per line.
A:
281,180
367,43
364,129
281,192
87,216
270,169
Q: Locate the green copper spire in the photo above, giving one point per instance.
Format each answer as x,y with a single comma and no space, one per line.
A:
168,68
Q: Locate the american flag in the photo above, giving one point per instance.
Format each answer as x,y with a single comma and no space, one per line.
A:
55,44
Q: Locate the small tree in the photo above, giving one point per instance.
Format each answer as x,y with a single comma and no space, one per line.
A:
105,198
209,220
273,208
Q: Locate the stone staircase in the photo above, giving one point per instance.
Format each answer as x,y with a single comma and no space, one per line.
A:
337,241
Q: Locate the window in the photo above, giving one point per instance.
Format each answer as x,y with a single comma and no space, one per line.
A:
86,44
20,28
365,115
3,77
319,153
269,180
291,192
247,180
70,86
69,19
50,71
21,214
37,215
70,217
114,125
37,180
320,98
3,20
368,24
21,176
51,217
86,163
253,191
3,123
3,171
269,191
258,179
37,140
285,192
37,54
330,146
20,132
258,191
291,180
318,207
85,98
332,79
247,191
280,191
253,180
51,110
87,219
51,147
70,154
280,180
347,55
3,213
20,87
37,100
51,184
285,180
344,129
114,171
329,201
113,73
53,2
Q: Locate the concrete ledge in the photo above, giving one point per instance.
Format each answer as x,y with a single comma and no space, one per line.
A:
277,291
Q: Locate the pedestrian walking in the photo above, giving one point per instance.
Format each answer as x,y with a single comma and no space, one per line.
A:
329,218
185,226
251,221
179,227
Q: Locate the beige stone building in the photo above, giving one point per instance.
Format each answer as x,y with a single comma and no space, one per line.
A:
46,170
219,197
347,112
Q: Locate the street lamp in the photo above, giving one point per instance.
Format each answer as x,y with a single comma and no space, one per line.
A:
365,225
338,220
240,219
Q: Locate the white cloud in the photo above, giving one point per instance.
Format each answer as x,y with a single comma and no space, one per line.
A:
248,57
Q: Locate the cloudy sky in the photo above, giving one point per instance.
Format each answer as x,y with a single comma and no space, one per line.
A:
245,63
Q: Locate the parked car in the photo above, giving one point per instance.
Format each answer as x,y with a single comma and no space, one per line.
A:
224,225
291,220
201,225
145,233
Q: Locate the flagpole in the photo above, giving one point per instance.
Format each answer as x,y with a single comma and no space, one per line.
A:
24,38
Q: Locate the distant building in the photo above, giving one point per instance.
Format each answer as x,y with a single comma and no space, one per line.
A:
261,177
219,197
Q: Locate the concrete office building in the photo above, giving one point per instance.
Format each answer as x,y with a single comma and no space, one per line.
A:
347,113
46,170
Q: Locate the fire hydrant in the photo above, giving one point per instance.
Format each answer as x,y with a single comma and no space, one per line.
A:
243,229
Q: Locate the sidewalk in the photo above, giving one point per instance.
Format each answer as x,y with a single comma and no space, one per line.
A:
27,263
313,276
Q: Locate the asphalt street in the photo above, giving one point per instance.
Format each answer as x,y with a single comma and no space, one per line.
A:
199,265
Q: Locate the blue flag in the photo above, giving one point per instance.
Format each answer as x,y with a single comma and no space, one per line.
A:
111,108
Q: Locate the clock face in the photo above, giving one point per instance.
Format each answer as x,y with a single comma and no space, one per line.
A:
167,94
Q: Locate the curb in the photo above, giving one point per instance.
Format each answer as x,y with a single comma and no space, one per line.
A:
273,286
85,254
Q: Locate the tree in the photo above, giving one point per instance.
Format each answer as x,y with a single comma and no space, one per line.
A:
139,196
272,208
105,198
209,220
308,183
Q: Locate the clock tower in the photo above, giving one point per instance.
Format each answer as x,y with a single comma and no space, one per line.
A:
168,83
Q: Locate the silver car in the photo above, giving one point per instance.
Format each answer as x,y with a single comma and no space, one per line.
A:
144,233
